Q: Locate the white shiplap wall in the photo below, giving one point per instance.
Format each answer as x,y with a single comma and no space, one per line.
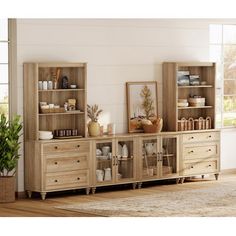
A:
116,51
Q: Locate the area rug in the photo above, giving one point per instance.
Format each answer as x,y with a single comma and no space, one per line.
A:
214,201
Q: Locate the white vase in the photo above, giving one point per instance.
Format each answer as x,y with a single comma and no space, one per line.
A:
125,152
107,176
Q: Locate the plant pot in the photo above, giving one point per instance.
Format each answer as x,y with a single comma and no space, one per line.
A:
156,128
94,129
7,189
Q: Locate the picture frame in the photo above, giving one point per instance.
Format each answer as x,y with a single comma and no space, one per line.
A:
136,110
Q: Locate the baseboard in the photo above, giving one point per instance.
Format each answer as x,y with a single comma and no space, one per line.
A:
21,195
228,171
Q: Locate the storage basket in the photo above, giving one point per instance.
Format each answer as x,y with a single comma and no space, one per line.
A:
7,189
155,128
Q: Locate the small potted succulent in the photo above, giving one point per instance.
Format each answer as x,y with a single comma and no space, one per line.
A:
9,146
93,126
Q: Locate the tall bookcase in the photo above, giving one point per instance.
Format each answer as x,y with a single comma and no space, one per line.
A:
34,119
172,113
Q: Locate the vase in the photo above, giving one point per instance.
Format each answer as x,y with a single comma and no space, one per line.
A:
7,189
94,129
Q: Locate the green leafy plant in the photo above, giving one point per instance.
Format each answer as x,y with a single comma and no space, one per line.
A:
93,112
147,103
9,144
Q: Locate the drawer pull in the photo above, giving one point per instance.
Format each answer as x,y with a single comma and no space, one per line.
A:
191,167
191,137
78,145
56,147
209,165
191,151
209,136
55,162
78,178
55,181
209,150
78,161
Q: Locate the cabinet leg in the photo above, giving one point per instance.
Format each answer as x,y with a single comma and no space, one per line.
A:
177,180
43,196
87,191
29,193
139,185
216,176
134,185
93,190
202,176
182,180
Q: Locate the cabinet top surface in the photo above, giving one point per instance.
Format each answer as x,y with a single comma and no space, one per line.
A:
129,135
57,64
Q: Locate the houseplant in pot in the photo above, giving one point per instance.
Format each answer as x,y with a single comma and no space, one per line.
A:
151,123
93,126
9,146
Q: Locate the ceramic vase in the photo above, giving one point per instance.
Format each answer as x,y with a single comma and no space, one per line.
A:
94,129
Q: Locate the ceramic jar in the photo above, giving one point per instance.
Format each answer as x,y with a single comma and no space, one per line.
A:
94,129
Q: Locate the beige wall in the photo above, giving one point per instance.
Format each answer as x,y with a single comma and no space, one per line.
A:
116,51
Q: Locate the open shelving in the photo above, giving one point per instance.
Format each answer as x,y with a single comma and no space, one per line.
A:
172,92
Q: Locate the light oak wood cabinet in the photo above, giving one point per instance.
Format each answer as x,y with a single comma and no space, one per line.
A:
176,111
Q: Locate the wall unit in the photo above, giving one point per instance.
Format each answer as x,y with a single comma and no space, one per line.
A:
34,118
172,113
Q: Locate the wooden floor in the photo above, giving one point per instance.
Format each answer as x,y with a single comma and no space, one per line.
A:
37,207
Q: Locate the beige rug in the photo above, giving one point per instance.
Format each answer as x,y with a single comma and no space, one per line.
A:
217,199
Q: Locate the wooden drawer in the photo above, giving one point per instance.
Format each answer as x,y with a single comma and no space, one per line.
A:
200,167
201,137
200,151
66,180
78,146
67,162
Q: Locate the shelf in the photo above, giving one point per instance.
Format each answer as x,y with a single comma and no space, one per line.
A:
62,113
61,90
196,86
202,107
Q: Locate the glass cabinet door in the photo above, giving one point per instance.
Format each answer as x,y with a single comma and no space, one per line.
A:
125,160
150,158
104,162
168,156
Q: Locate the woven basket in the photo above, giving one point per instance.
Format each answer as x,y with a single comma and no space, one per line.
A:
7,189
153,128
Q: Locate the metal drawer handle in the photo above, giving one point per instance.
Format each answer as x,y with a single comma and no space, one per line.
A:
191,151
192,137
209,136
78,145
209,150
191,166
55,147
209,165
78,178
78,161
55,163
55,181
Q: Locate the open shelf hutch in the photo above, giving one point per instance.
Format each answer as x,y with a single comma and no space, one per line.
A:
172,113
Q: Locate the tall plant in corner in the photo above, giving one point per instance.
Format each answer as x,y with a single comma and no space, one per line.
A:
9,147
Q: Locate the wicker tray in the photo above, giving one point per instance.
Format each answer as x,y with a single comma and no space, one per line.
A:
52,110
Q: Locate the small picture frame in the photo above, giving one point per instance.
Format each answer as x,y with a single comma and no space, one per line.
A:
141,104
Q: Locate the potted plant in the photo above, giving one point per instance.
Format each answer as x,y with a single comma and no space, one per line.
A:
9,146
93,126
151,123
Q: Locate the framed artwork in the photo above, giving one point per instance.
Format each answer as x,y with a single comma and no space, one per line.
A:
141,103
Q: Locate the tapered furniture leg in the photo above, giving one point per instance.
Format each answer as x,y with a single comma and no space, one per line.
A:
93,190
139,185
87,191
43,196
134,185
216,176
202,176
29,193
177,180
182,180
